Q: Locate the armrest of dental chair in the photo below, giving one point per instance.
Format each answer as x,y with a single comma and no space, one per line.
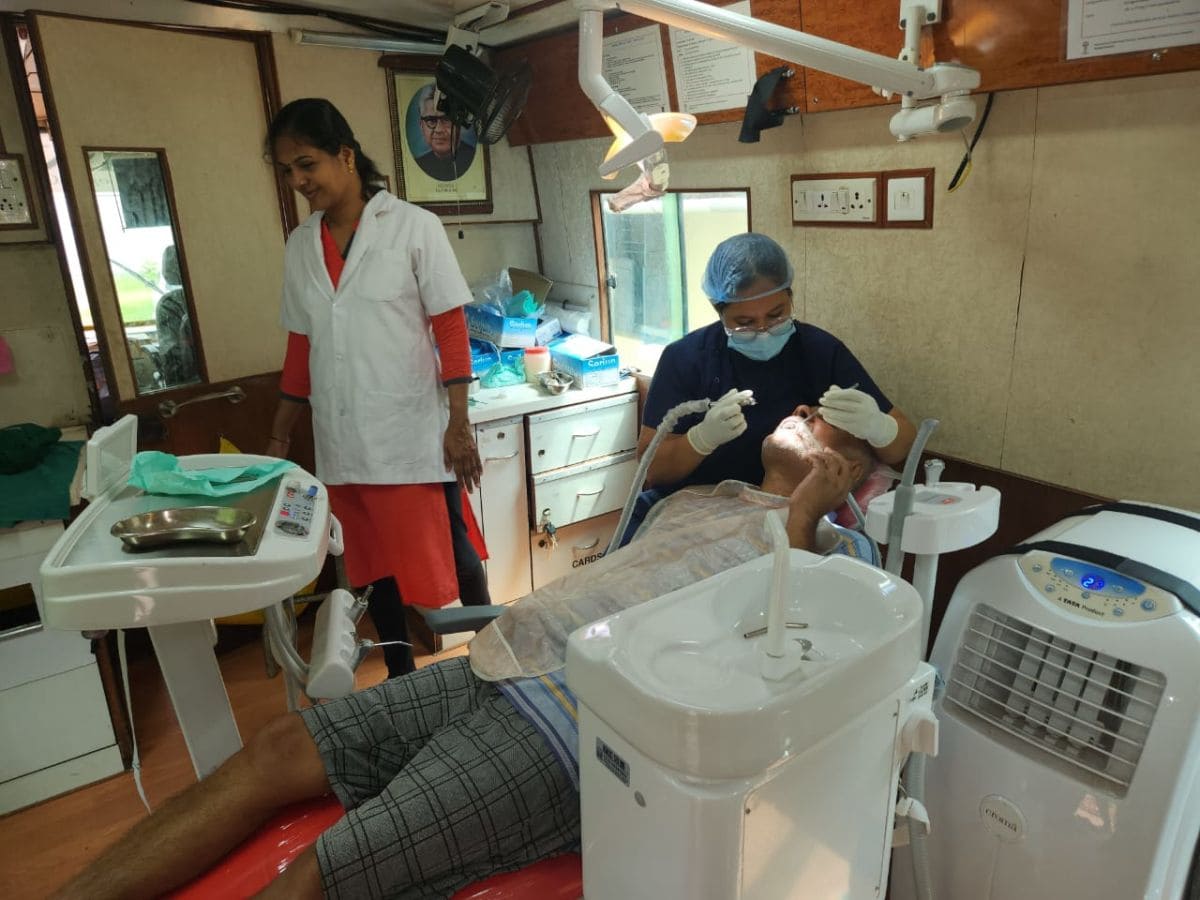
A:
465,618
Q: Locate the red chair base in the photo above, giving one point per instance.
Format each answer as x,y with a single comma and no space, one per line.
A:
260,858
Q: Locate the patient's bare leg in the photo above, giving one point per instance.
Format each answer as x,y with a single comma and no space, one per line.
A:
300,881
195,829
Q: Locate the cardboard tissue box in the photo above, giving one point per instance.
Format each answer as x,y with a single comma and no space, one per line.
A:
590,362
486,323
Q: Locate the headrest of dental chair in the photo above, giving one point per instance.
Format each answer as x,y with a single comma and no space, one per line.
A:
170,267
880,481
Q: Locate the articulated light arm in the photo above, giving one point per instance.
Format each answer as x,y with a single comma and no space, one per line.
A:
948,81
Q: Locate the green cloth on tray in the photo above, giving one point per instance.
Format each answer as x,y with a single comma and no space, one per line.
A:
160,473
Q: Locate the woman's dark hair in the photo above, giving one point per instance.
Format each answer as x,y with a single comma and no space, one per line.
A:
317,122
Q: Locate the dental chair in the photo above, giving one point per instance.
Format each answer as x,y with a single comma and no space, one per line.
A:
260,859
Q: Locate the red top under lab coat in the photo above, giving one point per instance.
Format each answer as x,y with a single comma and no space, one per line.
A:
401,530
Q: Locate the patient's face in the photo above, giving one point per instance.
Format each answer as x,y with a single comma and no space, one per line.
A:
786,449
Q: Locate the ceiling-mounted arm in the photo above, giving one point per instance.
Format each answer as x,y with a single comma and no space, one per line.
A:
645,140
947,81
786,43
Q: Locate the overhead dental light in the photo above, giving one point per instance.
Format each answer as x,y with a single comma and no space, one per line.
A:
947,83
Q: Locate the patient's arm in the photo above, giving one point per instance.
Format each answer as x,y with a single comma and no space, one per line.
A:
822,491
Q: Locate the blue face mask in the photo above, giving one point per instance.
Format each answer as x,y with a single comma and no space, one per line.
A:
764,345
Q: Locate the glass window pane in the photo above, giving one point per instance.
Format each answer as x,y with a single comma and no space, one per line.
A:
140,239
655,253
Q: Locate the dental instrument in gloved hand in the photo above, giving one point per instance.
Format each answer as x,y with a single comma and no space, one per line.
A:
857,412
722,423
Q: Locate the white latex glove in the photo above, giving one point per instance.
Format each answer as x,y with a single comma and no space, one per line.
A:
722,423
858,413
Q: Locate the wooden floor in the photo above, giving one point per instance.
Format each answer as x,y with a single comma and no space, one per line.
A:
43,846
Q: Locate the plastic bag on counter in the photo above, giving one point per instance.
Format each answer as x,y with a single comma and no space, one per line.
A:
509,370
496,293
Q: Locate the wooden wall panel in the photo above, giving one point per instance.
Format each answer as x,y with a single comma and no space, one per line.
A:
1014,44
559,111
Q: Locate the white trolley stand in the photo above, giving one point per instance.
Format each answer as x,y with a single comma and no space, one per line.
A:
92,582
703,780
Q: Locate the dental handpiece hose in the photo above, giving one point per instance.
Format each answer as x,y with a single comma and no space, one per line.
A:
665,427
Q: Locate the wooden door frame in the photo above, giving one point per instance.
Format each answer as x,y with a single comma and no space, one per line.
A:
288,214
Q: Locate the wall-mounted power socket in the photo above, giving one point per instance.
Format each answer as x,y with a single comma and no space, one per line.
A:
846,199
907,198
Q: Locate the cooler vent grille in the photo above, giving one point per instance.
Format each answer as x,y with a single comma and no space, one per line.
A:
1084,712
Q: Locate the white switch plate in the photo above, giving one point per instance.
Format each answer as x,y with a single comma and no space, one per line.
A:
906,199
841,200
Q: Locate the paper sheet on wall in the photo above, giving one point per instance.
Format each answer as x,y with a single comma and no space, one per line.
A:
633,65
1105,27
711,74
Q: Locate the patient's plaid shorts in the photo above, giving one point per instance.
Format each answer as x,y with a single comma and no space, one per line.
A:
444,783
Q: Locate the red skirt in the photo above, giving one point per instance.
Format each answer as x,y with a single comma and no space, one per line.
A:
402,530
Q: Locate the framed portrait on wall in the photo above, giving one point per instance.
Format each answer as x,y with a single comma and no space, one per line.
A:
439,165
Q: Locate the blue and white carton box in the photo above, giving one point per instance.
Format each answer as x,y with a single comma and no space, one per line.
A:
503,331
590,362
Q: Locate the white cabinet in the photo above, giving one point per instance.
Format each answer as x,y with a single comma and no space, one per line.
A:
55,730
575,546
571,494
564,437
568,460
502,508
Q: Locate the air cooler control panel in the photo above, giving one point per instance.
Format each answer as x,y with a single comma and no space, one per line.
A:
1094,592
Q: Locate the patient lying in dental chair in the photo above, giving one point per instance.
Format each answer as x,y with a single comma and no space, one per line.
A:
469,766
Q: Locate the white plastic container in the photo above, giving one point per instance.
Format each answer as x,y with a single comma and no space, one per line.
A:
537,360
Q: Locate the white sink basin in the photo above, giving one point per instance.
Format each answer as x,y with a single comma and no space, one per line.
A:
679,680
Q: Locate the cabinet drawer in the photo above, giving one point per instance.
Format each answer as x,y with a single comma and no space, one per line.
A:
579,492
578,545
563,437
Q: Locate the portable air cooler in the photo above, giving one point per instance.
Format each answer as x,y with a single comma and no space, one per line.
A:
1070,738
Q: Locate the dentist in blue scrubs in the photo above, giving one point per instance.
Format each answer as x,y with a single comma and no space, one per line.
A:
756,345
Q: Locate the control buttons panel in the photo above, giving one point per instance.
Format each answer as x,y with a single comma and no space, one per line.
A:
1094,592
295,513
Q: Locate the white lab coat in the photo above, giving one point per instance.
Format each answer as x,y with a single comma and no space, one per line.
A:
379,408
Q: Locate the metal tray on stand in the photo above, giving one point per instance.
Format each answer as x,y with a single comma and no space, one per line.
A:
202,524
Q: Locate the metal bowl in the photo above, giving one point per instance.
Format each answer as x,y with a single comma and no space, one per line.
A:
205,524
555,382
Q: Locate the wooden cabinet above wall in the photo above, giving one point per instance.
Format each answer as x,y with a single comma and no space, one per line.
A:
1014,44
559,111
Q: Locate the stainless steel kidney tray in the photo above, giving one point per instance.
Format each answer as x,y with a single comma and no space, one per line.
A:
204,524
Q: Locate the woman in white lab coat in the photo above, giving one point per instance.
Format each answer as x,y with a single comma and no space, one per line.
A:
370,285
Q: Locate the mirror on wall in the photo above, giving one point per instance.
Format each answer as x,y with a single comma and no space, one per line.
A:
141,240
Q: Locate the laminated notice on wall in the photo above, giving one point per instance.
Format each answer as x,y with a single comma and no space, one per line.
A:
711,74
1105,27
633,66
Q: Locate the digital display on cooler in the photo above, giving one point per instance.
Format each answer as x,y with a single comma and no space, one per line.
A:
1091,582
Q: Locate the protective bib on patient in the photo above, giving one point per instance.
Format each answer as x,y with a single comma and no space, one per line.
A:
691,535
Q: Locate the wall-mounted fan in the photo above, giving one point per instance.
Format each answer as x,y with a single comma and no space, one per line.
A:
475,96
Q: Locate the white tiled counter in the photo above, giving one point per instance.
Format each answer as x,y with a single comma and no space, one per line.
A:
564,461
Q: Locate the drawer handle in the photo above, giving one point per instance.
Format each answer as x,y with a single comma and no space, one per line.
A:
494,458
598,490
590,546
592,432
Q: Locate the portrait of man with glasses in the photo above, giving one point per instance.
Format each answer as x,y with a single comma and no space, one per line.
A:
449,149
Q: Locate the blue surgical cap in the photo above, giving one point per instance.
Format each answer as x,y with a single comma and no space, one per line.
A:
740,260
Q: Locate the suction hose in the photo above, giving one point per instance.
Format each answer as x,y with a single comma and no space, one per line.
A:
914,772
904,497
665,427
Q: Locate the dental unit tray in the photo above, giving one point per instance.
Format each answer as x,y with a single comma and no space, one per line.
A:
201,524
193,561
